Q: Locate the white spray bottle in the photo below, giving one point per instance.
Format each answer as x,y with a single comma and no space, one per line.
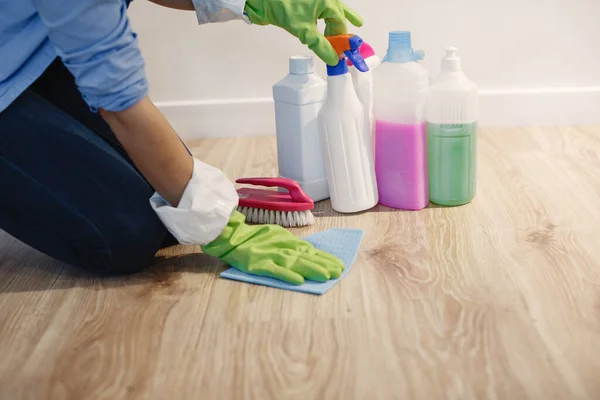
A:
347,144
363,82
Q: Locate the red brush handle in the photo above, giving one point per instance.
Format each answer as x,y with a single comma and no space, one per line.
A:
296,192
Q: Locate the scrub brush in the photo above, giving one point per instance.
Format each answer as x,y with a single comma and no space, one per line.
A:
289,209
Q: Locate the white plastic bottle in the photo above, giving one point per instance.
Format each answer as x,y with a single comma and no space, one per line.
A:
298,99
452,112
346,140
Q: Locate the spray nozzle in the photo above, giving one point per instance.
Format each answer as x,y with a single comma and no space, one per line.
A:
347,45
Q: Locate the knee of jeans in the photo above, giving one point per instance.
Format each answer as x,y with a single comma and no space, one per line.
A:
128,246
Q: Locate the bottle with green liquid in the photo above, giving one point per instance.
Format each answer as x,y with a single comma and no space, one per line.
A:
451,113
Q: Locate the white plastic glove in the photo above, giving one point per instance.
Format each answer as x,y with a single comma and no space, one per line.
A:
205,208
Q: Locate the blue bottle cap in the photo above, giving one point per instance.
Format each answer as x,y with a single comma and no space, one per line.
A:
400,48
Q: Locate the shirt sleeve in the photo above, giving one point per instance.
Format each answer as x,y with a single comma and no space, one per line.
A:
208,11
95,41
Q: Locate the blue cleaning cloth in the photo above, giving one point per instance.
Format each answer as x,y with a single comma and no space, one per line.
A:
342,243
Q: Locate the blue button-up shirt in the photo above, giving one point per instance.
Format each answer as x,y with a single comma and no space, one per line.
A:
92,37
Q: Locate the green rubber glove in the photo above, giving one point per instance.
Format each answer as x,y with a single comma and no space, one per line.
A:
271,250
299,17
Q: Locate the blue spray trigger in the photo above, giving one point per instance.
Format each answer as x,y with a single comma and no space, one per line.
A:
347,46
358,62
354,54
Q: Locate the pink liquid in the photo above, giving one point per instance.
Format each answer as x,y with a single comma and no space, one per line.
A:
401,165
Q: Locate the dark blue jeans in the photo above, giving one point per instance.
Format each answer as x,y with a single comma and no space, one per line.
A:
69,189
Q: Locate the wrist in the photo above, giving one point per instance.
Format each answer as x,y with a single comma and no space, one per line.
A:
205,208
211,11
222,244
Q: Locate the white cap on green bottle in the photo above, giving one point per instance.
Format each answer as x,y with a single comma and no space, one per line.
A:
451,62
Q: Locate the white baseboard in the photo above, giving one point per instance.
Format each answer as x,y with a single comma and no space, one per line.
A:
222,118
540,106
504,107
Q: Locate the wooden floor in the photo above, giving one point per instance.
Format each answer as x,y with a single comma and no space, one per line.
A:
499,299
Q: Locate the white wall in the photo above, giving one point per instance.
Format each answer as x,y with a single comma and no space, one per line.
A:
536,61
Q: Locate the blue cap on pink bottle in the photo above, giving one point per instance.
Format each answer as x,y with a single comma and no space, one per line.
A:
400,48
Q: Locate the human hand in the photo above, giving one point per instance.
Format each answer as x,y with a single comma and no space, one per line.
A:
271,250
299,17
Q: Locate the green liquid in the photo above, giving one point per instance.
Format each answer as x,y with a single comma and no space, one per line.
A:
452,163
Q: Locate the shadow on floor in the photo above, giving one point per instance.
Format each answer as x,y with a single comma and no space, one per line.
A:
23,269
323,209
27,270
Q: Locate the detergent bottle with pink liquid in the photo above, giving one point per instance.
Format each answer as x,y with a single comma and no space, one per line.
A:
400,86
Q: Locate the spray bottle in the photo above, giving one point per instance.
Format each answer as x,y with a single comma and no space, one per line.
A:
347,145
363,82
401,87
452,108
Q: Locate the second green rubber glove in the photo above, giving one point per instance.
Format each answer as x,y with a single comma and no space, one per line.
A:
271,250
299,17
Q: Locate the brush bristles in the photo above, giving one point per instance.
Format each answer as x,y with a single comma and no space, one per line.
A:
287,219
